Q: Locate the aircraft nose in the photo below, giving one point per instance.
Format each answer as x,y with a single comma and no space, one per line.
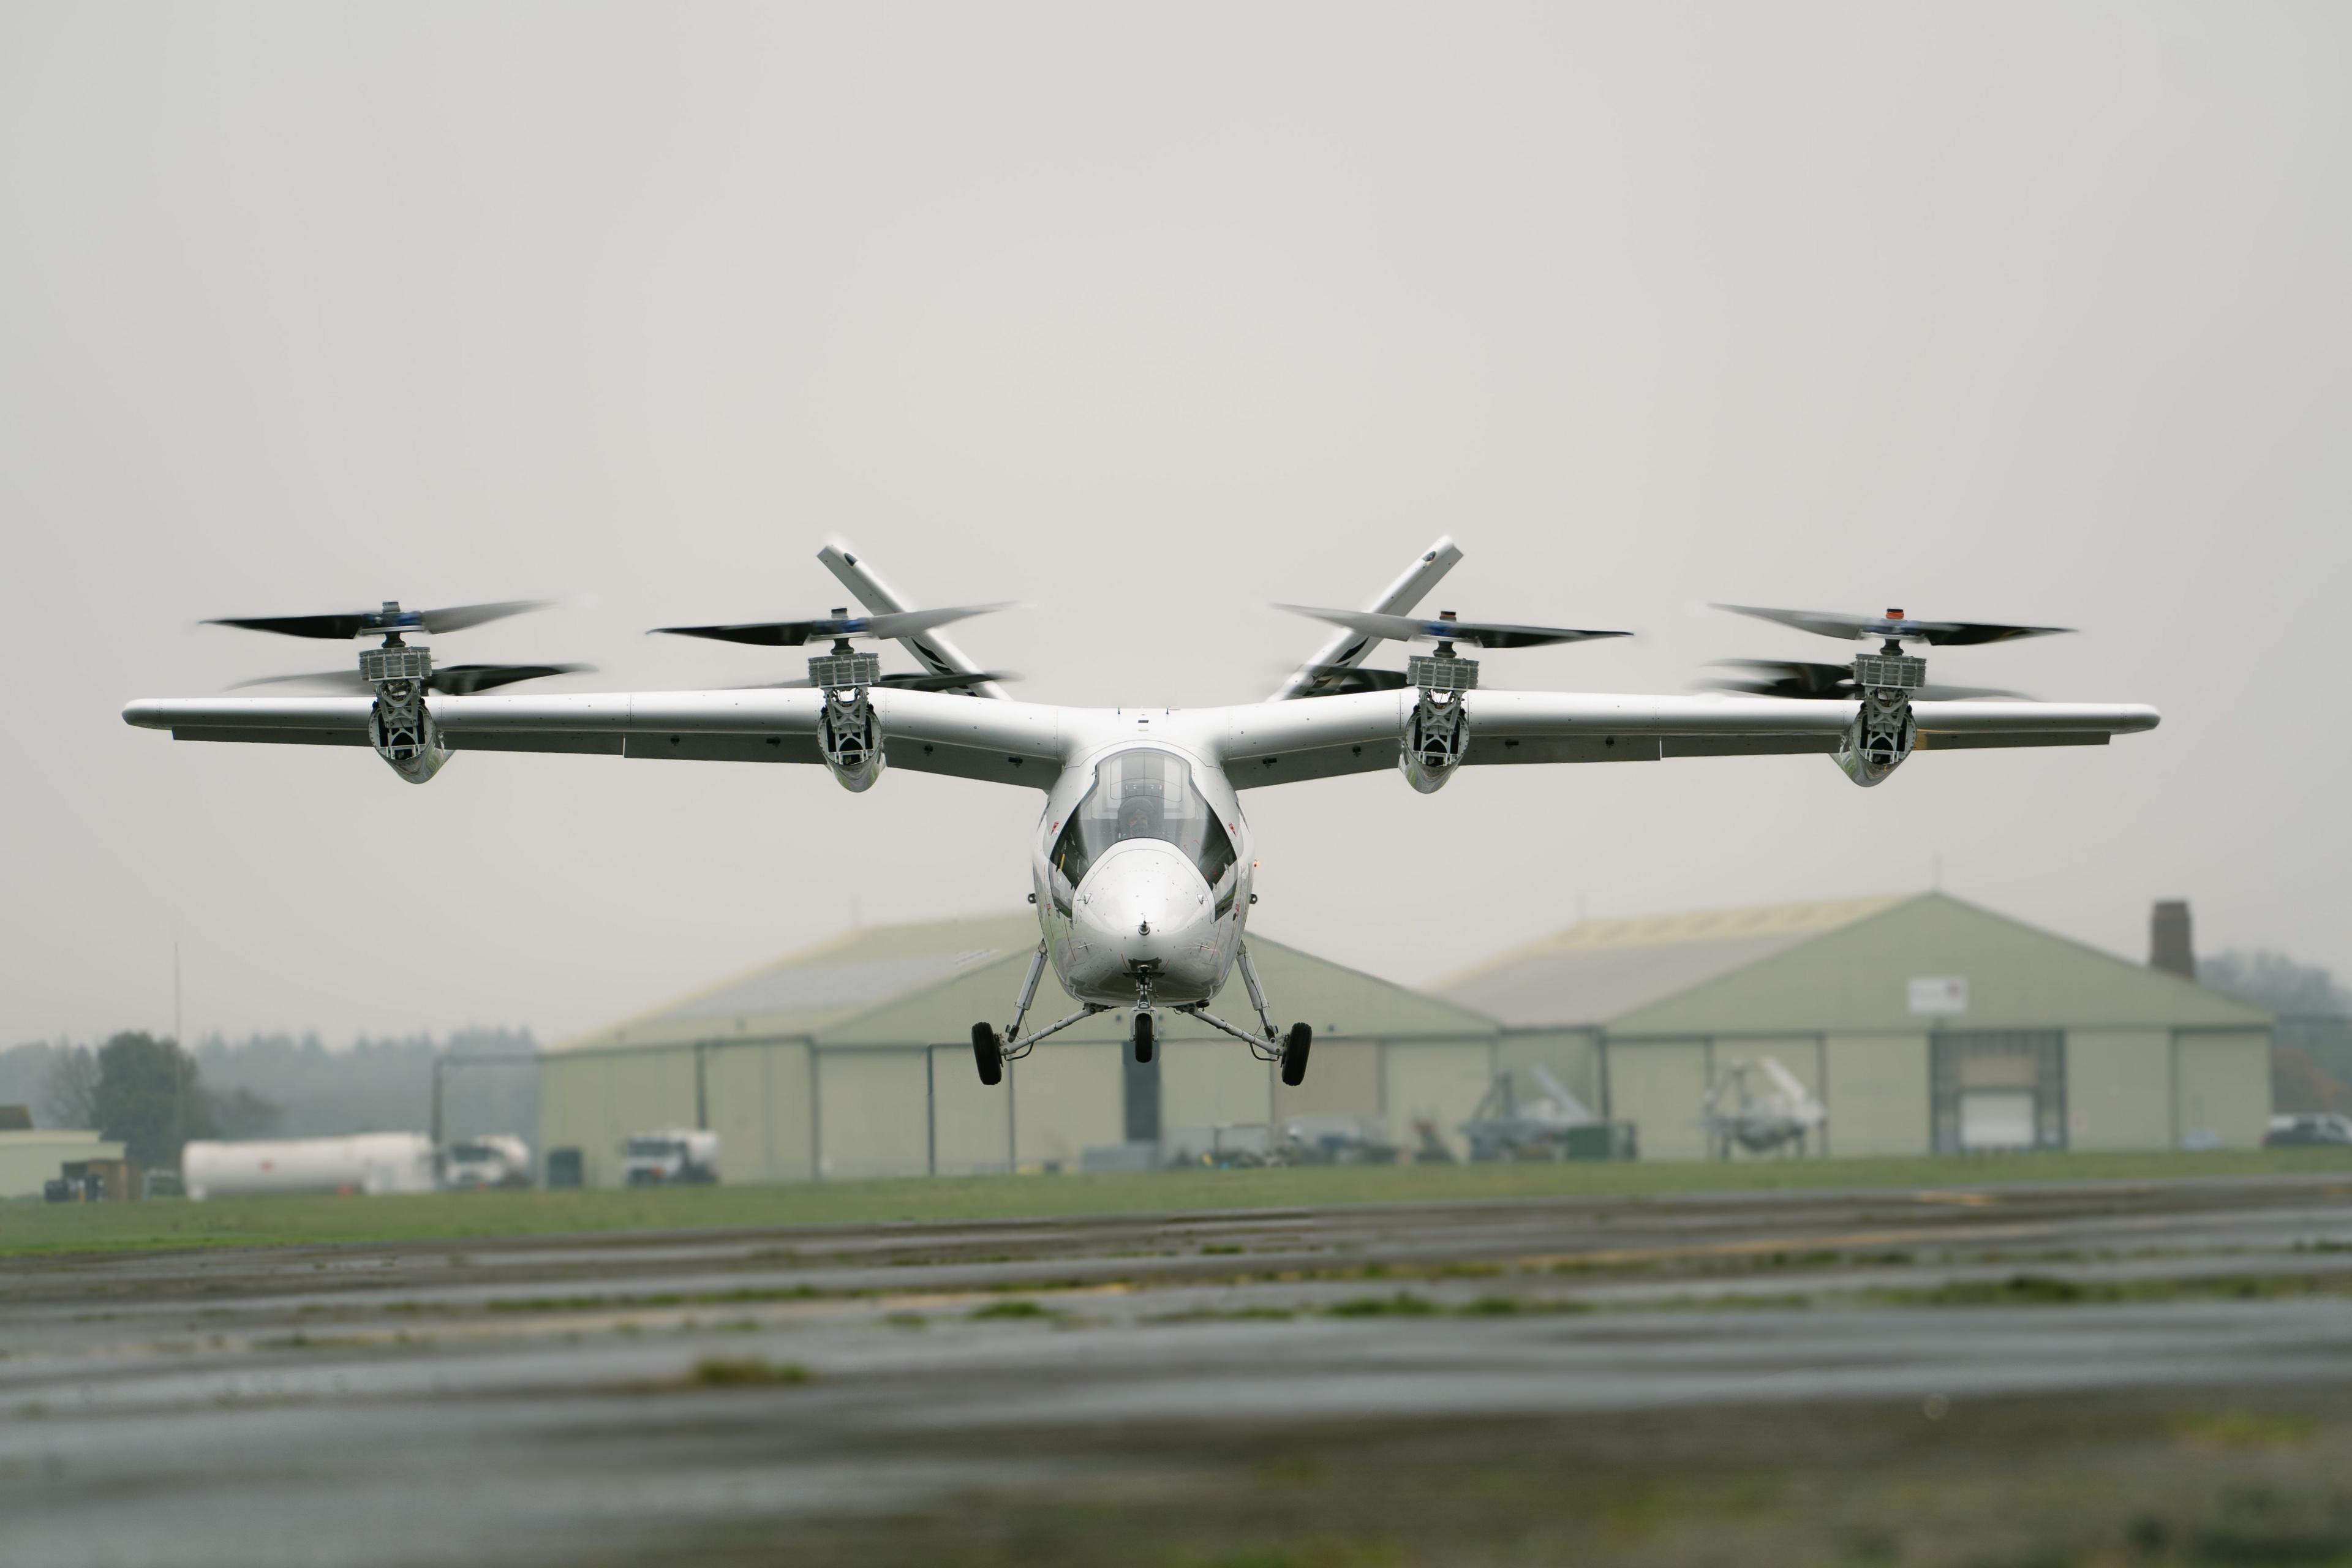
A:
1139,901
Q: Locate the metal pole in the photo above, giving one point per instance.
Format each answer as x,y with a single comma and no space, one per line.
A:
179,1069
930,1111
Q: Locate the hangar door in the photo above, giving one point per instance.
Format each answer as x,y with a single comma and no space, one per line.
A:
1999,1088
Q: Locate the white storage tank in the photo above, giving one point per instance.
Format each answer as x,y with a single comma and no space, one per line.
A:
367,1162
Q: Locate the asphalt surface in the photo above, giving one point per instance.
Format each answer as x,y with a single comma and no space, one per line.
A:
569,1400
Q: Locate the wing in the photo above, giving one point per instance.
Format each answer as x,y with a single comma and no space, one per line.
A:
1280,742
925,732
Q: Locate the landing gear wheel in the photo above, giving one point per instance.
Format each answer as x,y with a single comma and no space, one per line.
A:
1293,1054
990,1053
1143,1032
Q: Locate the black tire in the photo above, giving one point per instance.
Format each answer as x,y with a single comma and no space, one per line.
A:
1293,1054
988,1054
1143,1032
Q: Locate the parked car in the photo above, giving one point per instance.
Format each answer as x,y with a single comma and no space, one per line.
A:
2308,1130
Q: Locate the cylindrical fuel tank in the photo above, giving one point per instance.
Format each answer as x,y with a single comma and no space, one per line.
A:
368,1162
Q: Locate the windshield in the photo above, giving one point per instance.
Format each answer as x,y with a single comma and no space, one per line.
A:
1143,795
652,1147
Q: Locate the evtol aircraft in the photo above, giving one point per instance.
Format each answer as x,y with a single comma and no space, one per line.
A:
1141,862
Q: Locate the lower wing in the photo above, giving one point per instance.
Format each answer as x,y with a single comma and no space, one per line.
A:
1280,742
1002,742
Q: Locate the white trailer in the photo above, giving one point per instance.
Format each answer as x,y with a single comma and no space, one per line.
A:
369,1163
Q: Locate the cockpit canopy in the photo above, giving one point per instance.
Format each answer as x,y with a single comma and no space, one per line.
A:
1143,793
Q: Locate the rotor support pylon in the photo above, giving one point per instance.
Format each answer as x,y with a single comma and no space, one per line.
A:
1437,731
848,732
1883,730
1256,991
400,724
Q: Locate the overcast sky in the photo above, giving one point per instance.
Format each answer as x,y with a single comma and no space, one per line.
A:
1149,316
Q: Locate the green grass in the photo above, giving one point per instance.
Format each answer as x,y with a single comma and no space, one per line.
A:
751,1372
2049,1291
460,1216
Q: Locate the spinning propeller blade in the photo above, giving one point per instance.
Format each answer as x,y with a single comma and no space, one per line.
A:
1896,624
1821,682
1444,628
452,681
1349,680
840,624
390,618
908,681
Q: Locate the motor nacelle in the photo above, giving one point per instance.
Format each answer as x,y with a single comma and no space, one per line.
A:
400,725
1883,733
1437,731
849,732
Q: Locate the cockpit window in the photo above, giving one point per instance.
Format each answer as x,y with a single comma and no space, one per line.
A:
1143,793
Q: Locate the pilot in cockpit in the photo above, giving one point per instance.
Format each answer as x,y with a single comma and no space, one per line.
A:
1139,818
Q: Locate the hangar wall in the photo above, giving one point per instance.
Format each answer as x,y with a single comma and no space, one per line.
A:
854,1060
1924,1023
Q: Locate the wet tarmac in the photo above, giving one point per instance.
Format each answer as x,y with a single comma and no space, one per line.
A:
600,1400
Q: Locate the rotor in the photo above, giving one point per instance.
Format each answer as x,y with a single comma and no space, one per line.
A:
1894,626
388,622
839,626
845,669
1821,682
1446,628
394,660
449,680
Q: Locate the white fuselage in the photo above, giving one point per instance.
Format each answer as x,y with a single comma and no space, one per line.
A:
1160,853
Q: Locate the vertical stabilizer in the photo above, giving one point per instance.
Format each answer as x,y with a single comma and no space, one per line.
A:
1324,673
931,649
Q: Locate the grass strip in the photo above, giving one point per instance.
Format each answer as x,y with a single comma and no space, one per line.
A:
31,1228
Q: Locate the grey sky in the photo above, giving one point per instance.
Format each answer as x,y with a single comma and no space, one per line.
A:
1149,316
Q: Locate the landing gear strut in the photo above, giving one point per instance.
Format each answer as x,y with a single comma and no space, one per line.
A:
1272,1045
991,1053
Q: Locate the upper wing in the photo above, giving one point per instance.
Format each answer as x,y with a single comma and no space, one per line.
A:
1277,742
1003,742
1327,671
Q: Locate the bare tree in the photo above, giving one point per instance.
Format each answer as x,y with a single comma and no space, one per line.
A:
69,1089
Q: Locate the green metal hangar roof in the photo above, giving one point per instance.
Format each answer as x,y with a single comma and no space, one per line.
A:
1924,1023
854,1058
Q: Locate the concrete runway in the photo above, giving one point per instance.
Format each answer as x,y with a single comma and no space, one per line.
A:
539,1400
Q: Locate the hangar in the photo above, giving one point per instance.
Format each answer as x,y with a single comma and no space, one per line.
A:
854,1059
1925,1024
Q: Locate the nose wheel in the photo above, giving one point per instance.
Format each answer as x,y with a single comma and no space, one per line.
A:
989,1052
1145,1028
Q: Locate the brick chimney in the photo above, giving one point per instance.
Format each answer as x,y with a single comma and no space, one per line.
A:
2169,947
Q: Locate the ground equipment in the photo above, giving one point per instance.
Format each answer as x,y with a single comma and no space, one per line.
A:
1760,1105
371,1162
674,1157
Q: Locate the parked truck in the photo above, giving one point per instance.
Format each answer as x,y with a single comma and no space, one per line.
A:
676,1156
494,1160
369,1163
